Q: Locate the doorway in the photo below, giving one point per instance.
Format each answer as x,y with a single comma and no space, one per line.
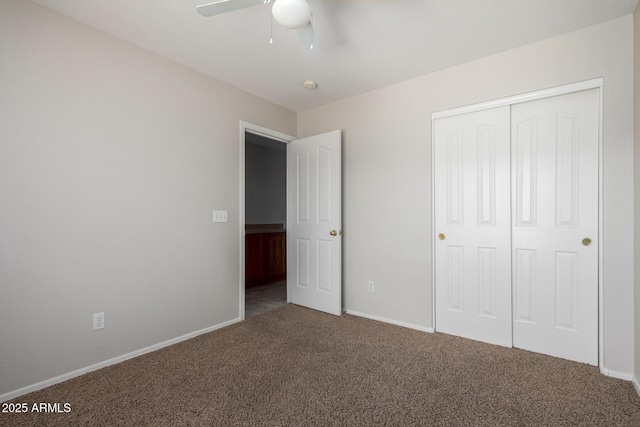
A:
263,223
313,235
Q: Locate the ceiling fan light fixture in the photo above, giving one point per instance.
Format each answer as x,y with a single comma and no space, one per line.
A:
291,13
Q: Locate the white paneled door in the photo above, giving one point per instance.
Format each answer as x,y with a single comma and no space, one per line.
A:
314,222
555,225
516,223
472,217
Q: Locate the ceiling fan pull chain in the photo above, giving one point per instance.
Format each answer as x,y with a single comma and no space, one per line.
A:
271,29
311,21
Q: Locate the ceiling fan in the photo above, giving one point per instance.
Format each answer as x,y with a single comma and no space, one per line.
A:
293,14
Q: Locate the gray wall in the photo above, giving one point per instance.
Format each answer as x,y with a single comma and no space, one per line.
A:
265,182
387,172
112,160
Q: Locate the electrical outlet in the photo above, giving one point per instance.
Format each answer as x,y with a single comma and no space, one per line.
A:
98,321
372,286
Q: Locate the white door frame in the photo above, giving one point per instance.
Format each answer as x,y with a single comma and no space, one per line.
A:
267,133
597,83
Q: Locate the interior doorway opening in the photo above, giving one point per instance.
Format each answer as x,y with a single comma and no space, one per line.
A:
312,236
263,202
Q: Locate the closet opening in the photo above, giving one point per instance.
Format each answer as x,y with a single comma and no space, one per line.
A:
517,201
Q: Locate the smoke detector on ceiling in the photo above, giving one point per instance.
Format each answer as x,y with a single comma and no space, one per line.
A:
310,84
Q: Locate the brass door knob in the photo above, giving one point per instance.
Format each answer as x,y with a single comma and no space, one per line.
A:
587,241
334,233
441,236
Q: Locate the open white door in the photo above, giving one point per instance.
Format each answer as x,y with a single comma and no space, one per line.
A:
314,222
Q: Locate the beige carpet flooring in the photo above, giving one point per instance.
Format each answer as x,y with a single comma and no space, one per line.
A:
297,367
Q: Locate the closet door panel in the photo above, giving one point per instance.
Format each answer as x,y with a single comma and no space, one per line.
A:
555,193
472,218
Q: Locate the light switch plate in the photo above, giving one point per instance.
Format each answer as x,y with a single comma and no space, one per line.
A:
220,216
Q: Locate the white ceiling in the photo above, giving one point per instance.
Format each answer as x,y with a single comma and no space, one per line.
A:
364,44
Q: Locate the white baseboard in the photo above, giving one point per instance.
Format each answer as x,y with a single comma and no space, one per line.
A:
615,374
112,361
393,322
636,384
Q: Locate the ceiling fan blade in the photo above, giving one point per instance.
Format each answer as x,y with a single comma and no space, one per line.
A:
308,39
224,6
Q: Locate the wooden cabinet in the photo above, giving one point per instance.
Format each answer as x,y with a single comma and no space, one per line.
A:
253,259
275,266
265,258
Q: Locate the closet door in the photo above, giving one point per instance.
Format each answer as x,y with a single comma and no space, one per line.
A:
555,225
472,225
